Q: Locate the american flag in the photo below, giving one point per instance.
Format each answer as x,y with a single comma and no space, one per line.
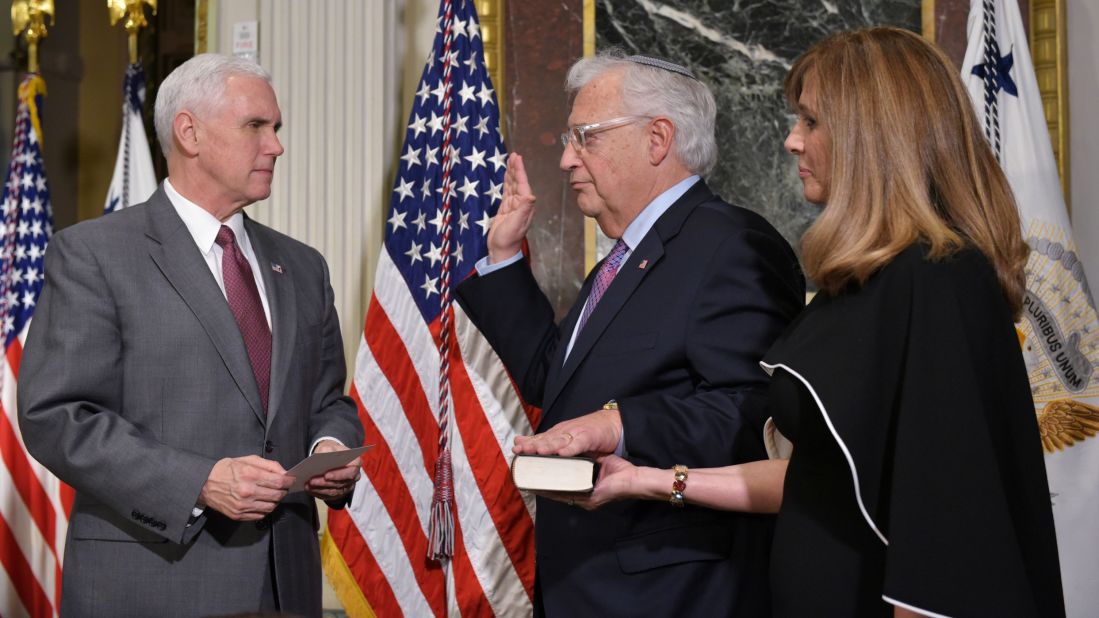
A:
377,551
34,505
133,180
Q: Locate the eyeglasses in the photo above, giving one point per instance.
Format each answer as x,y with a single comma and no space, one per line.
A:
577,136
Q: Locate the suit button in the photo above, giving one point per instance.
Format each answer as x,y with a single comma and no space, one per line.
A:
268,446
263,524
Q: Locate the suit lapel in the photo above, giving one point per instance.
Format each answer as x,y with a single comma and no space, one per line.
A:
175,254
630,276
284,317
627,280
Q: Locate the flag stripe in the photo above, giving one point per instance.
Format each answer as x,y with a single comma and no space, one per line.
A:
402,385
414,333
58,496
468,592
32,519
33,547
27,484
9,596
348,573
395,366
381,372
495,390
386,572
394,502
491,475
31,595
67,496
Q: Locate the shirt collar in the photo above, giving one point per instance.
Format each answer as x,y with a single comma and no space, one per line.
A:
644,221
202,225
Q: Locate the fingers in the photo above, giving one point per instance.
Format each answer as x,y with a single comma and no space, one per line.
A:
552,442
518,174
574,444
334,483
567,498
595,434
245,488
515,214
517,191
256,461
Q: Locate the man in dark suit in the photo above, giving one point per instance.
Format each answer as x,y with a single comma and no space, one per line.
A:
182,357
659,358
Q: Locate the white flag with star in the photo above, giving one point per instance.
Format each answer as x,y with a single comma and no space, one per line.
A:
133,180
1060,330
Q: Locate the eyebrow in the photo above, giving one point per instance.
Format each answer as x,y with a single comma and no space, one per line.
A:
801,108
263,120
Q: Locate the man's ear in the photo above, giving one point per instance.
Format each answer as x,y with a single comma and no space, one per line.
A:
661,138
185,133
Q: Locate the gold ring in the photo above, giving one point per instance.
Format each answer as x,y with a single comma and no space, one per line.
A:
567,435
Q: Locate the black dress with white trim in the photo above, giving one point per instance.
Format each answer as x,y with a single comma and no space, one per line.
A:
917,476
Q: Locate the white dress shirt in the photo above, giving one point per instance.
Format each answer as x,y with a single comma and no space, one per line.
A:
204,228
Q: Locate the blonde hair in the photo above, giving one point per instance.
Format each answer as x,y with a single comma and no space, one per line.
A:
910,162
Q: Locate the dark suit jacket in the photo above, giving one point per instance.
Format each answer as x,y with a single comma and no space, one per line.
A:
135,381
676,340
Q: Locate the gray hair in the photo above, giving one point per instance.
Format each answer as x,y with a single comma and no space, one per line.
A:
651,91
197,85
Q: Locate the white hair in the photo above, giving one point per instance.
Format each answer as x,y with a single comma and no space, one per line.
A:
197,85
650,91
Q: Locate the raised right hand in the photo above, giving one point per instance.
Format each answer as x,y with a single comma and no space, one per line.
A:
512,220
245,488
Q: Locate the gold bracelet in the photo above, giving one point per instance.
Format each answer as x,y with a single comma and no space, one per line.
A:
679,485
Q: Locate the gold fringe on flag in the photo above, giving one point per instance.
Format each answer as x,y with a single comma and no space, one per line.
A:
343,582
32,87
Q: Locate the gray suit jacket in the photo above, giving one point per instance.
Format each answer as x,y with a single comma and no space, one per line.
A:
135,381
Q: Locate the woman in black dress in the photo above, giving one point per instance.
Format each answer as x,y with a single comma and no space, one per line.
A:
916,484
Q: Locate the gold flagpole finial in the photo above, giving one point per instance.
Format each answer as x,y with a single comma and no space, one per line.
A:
134,12
30,16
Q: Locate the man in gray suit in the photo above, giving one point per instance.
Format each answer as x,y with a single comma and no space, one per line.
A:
182,357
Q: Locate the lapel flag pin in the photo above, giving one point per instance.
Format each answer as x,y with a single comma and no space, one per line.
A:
276,267
643,264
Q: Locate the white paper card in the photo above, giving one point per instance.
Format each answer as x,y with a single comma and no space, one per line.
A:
319,463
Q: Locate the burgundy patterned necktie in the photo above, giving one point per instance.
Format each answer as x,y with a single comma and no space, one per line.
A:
244,300
603,279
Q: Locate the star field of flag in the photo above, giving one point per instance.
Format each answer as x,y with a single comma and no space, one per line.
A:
27,226
414,230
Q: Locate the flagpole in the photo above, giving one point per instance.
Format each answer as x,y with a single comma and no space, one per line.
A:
134,12
28,17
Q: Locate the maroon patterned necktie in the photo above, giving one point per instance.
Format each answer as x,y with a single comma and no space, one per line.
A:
244,300
603,279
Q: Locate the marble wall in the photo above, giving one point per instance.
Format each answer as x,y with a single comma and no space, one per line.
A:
742,50
543,38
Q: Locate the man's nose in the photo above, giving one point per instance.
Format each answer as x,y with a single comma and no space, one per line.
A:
570,159
275,145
